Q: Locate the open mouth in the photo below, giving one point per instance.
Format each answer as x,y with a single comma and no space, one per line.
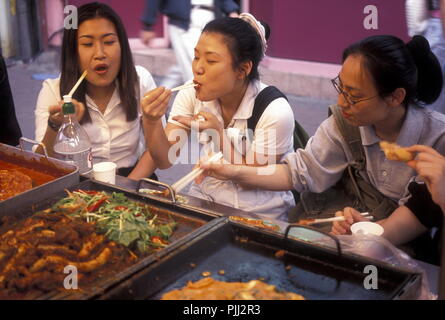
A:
199,85
101,69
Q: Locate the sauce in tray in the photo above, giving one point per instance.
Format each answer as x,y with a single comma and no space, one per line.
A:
38,177
16,179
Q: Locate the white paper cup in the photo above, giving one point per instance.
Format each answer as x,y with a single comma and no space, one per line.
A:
105,172
366,227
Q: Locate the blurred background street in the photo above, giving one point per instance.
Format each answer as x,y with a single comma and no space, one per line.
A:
304,50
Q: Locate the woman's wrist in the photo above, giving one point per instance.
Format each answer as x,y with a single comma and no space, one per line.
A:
150,122
53,125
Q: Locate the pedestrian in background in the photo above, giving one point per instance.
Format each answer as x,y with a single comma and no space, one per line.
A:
186,19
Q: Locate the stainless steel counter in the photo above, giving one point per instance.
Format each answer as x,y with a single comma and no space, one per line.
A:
431,271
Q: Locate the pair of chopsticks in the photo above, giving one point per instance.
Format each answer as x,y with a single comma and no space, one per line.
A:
308,222
184,86
184,181
84,74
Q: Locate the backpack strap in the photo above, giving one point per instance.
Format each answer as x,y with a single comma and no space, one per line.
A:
262,101
365,192
352,137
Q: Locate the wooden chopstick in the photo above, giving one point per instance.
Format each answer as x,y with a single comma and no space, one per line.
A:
341,218
184,181
184,86
84,74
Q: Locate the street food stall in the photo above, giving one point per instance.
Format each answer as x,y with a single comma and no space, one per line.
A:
89,225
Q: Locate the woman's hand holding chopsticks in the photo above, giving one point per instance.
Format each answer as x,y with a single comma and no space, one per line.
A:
344,227
56,115
217,169
202,121
195,173
155,104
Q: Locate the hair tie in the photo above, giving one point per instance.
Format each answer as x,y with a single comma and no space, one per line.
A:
250,19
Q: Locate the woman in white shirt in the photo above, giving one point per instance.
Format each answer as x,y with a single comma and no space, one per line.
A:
381,86
107,101
225,70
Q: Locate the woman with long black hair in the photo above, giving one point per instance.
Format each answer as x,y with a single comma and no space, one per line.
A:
108,101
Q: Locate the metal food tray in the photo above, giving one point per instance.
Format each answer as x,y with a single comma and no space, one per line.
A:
190,224
190,202
245,254
69,175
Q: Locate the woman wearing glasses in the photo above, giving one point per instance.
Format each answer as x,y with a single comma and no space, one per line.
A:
382,84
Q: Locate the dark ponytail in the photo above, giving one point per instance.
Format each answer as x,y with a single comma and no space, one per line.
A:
429,73
394,64
243,41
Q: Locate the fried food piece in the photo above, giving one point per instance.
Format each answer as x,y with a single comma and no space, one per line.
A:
88,246
44,262
57,248
280,254
96,263
211,289
87,266
395,152
34,253
30,228
206,274
13,182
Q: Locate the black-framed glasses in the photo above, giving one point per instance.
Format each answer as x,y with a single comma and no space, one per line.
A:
338,86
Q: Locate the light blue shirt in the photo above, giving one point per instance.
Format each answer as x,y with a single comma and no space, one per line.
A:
321,164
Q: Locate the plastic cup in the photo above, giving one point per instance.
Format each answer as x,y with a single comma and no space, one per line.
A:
366,227
105,172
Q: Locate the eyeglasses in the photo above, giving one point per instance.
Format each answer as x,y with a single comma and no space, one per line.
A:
338,86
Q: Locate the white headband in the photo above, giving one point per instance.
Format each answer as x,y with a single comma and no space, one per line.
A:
250,19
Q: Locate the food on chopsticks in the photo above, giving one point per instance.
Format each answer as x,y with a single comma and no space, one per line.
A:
395,152
256,222
211,289
35,252
13,182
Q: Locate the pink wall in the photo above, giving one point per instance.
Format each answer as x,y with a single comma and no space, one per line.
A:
319,30
312,30
130,14
54,20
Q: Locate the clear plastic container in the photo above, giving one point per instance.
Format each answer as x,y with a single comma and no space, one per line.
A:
72,143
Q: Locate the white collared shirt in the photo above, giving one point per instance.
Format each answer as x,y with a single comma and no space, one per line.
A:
277,117
112,137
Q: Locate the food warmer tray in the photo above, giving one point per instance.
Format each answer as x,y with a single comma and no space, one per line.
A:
190,224
65,175
246,253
